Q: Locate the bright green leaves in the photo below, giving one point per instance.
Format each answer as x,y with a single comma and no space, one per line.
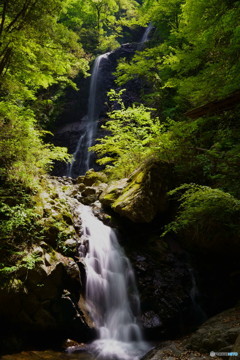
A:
131,134
207,65
100,22
23,153
36,52
194,51
207,219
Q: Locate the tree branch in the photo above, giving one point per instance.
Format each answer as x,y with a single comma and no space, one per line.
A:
22,12
3,16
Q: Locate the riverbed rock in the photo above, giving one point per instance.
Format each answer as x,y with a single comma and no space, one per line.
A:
143,195
175,351
93,178
218,334
47,355
236,346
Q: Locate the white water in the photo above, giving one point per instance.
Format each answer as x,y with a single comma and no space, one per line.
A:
146,34
111,293
87,138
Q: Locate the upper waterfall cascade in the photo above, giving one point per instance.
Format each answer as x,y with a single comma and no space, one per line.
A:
111,293
146,34
82,158
90,123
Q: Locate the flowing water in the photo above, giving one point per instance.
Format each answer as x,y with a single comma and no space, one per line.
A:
82,157
147,33
111,293
145,36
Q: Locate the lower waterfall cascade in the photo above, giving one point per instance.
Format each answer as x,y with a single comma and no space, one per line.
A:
111,293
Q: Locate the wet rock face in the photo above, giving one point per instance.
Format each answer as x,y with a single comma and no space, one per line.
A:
169,302
42,305
175,351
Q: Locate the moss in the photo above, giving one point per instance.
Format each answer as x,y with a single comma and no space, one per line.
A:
140,197
15,285
93,177
110,197
128,195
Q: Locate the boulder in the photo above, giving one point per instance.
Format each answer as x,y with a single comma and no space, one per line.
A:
111,193
175,351
218,334
94,177
88,191
43,303
236,346
143,195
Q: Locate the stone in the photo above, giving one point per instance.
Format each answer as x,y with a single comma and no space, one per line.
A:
38,250
47,258
236,346
88,191
73,270
79,179
93,177
88,200
143,195
36,275
175,351
81,187
113,191
43,319
44,245
46,355
67,218
218,333
70,243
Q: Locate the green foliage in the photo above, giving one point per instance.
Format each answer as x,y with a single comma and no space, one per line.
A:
18,230
16,220
193,56
100,22
205,150
206,215
36,51
23,152
130,140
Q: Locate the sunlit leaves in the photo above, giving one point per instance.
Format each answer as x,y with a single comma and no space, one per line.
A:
131,138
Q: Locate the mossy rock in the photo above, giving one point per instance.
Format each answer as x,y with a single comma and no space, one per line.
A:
143,195
113,191
93,177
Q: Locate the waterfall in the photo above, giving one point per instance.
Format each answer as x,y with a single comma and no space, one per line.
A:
81,156
111,293
146,34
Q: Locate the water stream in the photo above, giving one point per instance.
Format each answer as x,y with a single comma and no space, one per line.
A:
111,293
146,34
82,159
